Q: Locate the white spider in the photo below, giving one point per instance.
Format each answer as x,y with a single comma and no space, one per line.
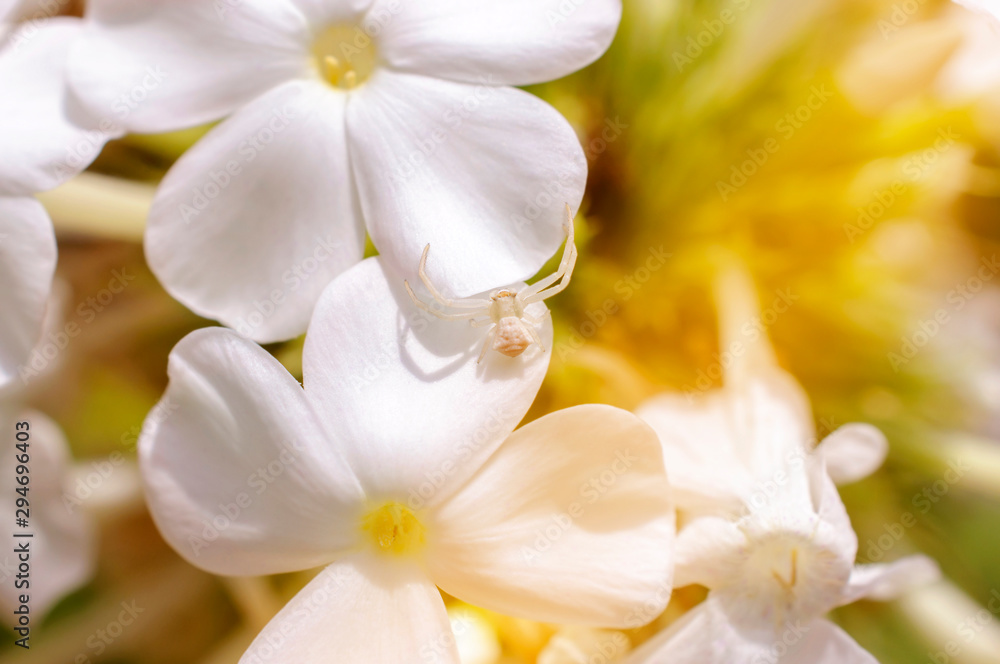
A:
511,327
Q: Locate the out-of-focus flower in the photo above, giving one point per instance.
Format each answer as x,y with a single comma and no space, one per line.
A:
725,446
47,136
60,550
346,114
46,139
766,531
583,645
62,556
27,263
974,70
397,467
990,8
475,638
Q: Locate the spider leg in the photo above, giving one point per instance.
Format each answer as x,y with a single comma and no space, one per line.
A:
534,337
486,344
480,322
565,271
464,303
531,319
440,314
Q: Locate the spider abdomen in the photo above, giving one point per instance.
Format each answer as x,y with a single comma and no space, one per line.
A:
511,337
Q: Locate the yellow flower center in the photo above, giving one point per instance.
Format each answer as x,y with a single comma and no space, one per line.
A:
394,529
344,55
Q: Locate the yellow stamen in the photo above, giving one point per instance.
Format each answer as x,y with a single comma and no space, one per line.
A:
344,55
788,585
332,69
394,529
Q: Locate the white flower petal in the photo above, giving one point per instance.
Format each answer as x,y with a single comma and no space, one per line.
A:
704,635
158,66
990,8
406,388
519,41
240,477
367,609
853,452
25,10
699,448
7,9
884,582
47,136
772,414
570,521
482,174
825,643
27,263
722,447
62,551
321,13
708,552
837,531
252,223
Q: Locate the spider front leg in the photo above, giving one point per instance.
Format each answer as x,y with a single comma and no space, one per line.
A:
531,319
464,303
465,315
537,292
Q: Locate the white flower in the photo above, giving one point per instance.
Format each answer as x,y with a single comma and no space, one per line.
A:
765,529
583,645
390,115
27,263
62,555
772,575
973,70
47,135
989,8
396,467
46,139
